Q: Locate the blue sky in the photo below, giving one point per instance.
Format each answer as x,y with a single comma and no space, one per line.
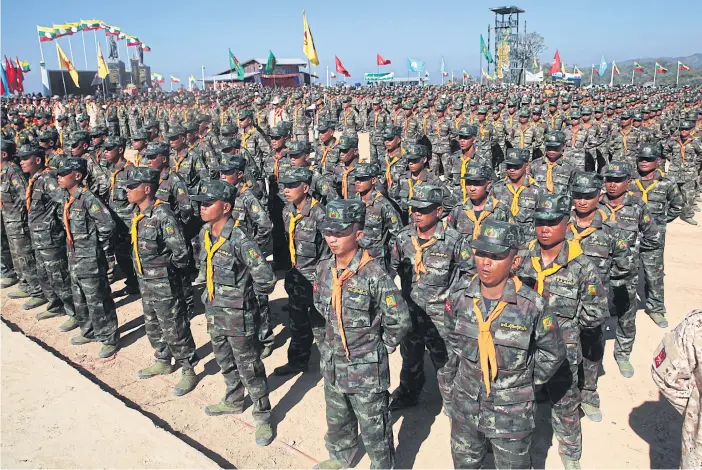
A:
183,38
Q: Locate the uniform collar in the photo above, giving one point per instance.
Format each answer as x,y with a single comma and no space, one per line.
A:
509,294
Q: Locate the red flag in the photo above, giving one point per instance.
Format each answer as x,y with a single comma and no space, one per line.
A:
556,64
11,76
340,68
382,61
20,76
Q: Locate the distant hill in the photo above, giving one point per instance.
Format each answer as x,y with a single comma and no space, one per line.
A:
692,77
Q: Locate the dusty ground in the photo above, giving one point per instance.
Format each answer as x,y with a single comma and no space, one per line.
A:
640,429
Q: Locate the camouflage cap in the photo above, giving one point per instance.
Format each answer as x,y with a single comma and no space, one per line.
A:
69,164
143,174
348,142
495,110
553,102
112,141
617,170
49,134
98,131
346,99
61,117
156,148
537,110
326,124
203,117
524,112
626,114
244,113
175,130
228,130
515,156
686,125
28,150
140,134
342,213
299,147
366,170
554,139
467,130
407,105
440,107
416,151
79,136
586,182
575,114
478,172
598,109
397,100
426,195
278,132
392,131
82,117
8,146
649,152
216,190
638,116
230,143
297,95
496,237
232,162
552,206
148,124
482,109
191,127
295,174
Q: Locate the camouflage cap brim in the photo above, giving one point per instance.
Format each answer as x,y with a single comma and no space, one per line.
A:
547,215
489,247
420,204
331,225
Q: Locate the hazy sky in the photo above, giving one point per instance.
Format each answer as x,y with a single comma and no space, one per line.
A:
183,38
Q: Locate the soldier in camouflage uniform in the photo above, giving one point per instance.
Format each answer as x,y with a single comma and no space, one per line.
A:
349,119
235,273
325,152
417,160
411,131
559,271
97,178
89,228
251,138
677,373
120,170
44,199
356,345
393,166
300,120
382,221
624,141
498,408
378,121
425,256
685,157
48,141
577,141
606,247
13,189
552,174
302,216
344,175
458,161
632,217
539,127
485,135
521,134
665,204
555,119
439,131
499,132
208,145
8,276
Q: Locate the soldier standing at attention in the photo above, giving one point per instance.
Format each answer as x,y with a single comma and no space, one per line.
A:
685,156
344,175
393,166
379,119
570,284
350,120
416,157
425,256
235,273
160,251
89,230
606,247
302,216
457,162
501,361
325,154
552,174
366,318
665,203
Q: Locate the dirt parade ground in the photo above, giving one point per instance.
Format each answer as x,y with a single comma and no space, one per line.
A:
63,407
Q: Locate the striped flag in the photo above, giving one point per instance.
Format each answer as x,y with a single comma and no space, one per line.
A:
637,67
615,69
46,34
661,69
682,66
175,79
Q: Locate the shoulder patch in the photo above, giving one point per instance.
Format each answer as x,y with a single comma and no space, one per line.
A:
253,254
170,230
390,301
592,289
548,323
660,358
95,208
447,306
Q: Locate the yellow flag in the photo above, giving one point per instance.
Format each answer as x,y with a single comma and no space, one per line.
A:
308,42
64,63
103,71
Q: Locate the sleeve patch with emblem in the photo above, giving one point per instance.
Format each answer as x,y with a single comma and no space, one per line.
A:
95,208
447,307
253,254
660,358
170,230
390,301
548,323
592,289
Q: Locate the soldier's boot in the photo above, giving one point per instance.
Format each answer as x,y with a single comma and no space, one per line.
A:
659,320
592,412
70,324
186,384
402,398
264,434
267,351
290,369
159,368
108,350
17,294
8,281
34,302
625,368
330,464
46,314
81,340
224,408
689,220
570,464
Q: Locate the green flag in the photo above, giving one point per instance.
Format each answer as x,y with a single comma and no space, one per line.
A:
485,51
270,66
236,66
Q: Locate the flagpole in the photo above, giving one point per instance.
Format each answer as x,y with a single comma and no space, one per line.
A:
481,68
41,49
655,71
85,53
611,78
592,72
677,76
327,76
632,76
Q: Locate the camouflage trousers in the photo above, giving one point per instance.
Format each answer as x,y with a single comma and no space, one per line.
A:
123,253
7,269
625,308
24,262
687,189
653,274
469,447
427,333
593,345
575,158
124,130
95,309
346,413
55,278
438,163
167,322
377,153
263,321
306,323
564,394
238,358
301,136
